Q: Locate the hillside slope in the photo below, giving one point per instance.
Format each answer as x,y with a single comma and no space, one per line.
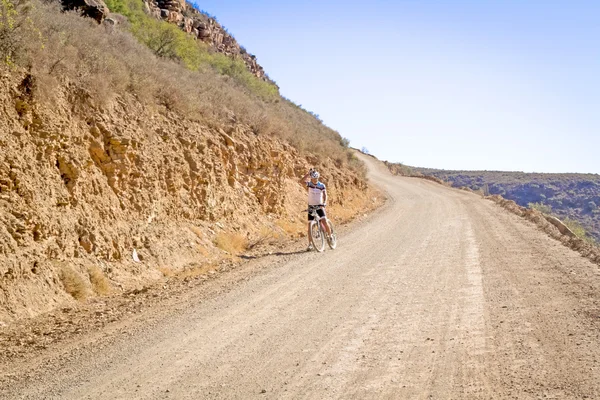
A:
118,168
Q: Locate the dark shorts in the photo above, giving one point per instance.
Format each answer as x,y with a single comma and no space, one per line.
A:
320,213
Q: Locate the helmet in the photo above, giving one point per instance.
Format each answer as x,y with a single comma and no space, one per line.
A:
314,174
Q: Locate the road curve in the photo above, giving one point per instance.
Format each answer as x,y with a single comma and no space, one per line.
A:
439,295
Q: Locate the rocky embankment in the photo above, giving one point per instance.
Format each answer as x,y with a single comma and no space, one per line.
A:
124,195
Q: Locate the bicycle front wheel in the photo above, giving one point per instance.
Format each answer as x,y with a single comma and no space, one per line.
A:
317,237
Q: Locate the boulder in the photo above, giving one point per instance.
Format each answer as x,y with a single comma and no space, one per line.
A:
560,225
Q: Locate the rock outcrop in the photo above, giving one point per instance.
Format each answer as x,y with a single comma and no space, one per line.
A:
95,9
206,29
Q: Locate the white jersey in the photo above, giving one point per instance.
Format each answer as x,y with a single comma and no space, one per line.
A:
315,193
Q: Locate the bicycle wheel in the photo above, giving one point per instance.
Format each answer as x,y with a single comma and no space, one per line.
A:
317,237
332,239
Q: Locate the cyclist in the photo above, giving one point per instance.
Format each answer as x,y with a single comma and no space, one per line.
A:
317,198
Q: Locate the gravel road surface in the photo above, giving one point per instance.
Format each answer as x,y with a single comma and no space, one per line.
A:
438,295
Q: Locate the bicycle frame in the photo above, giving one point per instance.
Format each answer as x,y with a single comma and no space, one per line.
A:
318,237
317,218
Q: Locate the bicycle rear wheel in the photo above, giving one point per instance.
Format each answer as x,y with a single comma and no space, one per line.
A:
317,237
332,239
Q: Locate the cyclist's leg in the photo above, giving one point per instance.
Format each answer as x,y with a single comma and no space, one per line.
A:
324,224
310,218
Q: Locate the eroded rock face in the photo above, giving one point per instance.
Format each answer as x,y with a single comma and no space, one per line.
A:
87,188
95,9
204,28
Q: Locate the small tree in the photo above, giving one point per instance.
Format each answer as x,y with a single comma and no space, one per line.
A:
14,25
365,150
486,189
579,230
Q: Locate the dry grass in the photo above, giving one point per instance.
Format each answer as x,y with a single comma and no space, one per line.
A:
290,228
196,270
270,235
74,283
100,284
99,66
233,243
193,270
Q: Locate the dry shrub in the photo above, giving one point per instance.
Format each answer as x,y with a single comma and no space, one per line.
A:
268,235
290,228
263,237
192,270
100,283
399,169
73,283
578,230
233,243
195,270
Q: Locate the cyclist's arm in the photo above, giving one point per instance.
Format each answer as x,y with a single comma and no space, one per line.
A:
304,180
324,196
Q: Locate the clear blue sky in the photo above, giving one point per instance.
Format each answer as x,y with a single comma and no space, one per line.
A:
495,85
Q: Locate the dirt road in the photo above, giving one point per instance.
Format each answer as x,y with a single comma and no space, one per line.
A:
439,295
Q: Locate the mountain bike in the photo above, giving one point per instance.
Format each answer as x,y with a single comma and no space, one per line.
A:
318,234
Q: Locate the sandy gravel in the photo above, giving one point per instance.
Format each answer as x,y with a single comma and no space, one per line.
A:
439,295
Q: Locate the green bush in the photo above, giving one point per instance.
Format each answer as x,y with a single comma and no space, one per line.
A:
168,41
541,207
578,230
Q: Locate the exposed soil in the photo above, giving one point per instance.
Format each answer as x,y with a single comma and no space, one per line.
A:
86,193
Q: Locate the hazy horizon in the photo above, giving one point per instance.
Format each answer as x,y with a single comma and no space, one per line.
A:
501,86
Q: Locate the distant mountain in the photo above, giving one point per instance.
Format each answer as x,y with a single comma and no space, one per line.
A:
573,196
